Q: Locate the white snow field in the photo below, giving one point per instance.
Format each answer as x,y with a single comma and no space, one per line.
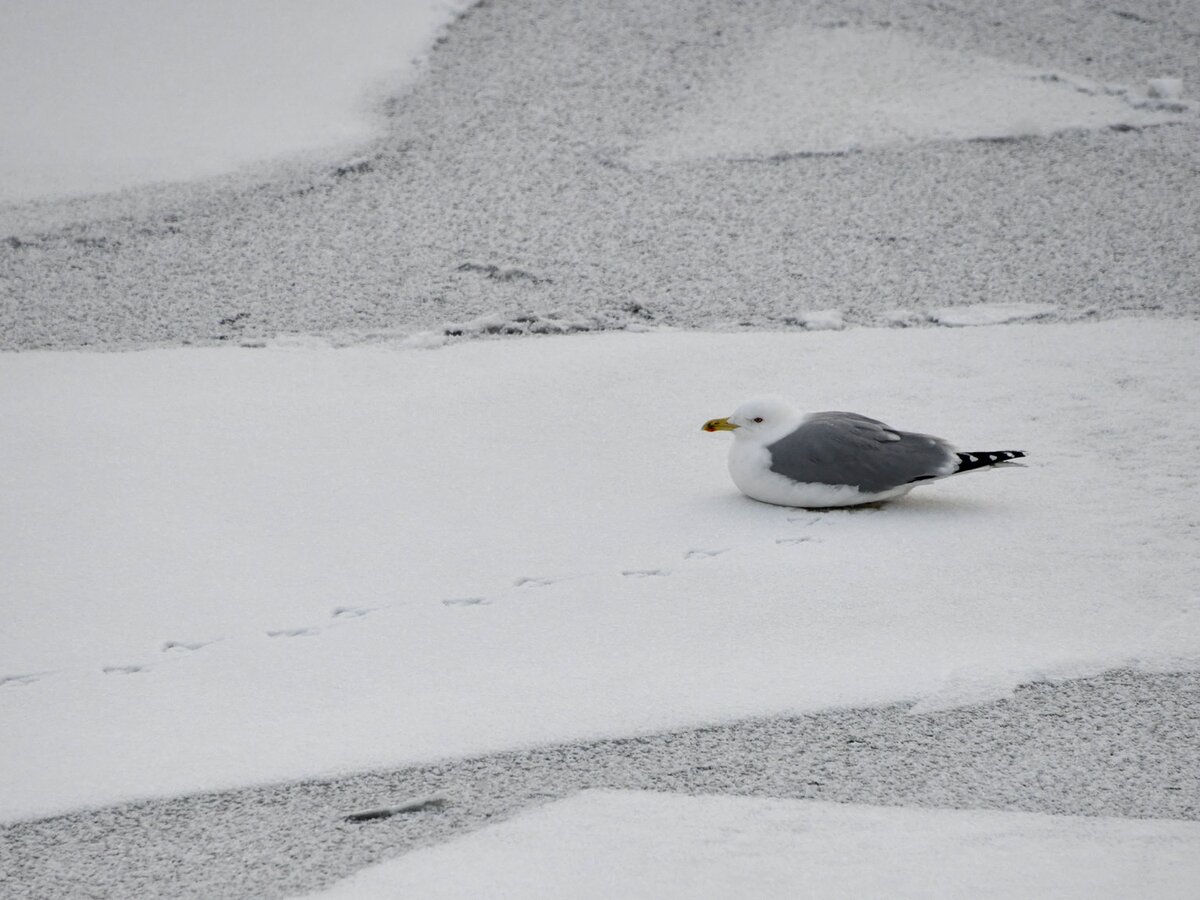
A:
629,844
837,90
102,96
227,566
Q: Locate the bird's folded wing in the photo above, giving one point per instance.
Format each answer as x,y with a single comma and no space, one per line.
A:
842,448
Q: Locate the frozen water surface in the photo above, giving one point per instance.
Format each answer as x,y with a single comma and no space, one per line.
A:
602,844
486,507
102,96
227,567
836,90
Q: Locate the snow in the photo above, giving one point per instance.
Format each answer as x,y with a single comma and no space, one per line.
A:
228,566
101,96
284,560
424,340
1165,88
601,844
820,320
836,90
533,113
903,318
991,313
540,322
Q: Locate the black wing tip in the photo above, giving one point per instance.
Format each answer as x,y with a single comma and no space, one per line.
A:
983,459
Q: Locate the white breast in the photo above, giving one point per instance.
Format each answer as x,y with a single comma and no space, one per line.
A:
750,467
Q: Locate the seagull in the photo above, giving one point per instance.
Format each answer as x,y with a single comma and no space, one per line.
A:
829,459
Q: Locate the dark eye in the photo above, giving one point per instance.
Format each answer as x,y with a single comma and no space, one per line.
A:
758,418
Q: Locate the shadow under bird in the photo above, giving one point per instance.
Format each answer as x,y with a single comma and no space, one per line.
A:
830,459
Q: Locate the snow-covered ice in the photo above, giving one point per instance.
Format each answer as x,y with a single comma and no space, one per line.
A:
990,313
834,90
1165,88
225,566
233,566
101,96
499,184
820,320
602,844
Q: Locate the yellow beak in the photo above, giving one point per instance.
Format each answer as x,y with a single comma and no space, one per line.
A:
718,425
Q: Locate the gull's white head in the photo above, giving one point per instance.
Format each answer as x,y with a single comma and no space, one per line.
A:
761,418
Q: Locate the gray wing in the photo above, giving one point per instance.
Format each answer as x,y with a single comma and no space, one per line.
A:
846,448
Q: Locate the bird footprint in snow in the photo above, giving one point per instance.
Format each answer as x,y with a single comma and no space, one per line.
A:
797,540
704,554
805,519
24,678
350,612
530,581
293,632
124,670
644,573
183,646
467,601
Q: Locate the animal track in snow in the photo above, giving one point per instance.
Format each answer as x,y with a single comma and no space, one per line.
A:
807,519
530,581
347,612
23,678
467,601
183,646
704,554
